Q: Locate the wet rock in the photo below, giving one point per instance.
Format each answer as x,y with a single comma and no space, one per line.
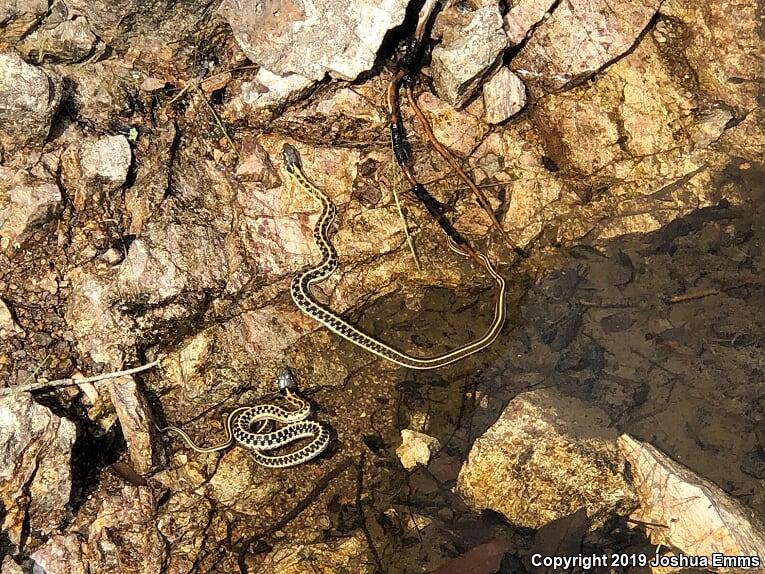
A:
61,554
35,474
504,95
579,39
523,15
18,17
26,204
416,448
546,457
30,97
135,420
95,167
349,555
698,518
8,327
312,38
70,41
241,484
471,46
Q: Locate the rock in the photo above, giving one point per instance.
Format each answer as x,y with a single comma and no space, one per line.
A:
504,95
70,41
241,484
8,326
95,167
545,457
723,52
61,554
579,39
123,538
472,44
523,15
460,131
135,419
8,566
35,473
349,555
266,91
26,204
101,93
100,331
30,97
256,166
709,126
18,17
312,38
416,448
698,518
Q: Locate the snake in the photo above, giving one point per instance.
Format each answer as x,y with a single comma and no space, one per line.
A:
300,287
240,422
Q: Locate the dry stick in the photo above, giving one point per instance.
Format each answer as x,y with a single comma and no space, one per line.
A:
446,154
405,225
69,382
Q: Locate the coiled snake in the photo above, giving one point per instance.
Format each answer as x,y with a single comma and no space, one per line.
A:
239,428
301,284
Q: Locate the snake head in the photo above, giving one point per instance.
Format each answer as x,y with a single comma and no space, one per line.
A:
291,157
284,379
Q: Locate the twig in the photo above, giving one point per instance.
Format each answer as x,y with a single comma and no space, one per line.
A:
217,121
69,382
446,154
709,292
405,225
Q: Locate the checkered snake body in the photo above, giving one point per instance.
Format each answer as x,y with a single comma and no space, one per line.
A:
301,284
240,422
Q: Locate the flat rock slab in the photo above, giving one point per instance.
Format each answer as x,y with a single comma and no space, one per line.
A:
580,38
698,517
313,38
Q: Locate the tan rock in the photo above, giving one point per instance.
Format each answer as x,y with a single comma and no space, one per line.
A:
313,38
26,204
349,555
416,448
8,327
240,483
696,516
472,44
135,419
546,457
504,95
30,97
61,554
523,15
35,472
95,167
579,39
